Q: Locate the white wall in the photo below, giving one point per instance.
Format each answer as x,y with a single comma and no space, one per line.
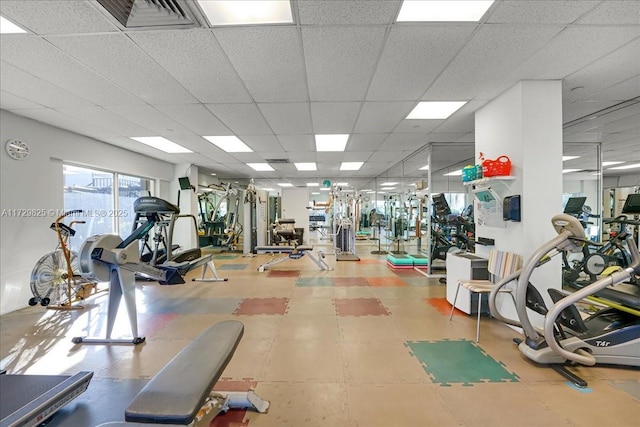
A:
525,123
37,184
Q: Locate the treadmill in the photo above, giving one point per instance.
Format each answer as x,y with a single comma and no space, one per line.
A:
29,400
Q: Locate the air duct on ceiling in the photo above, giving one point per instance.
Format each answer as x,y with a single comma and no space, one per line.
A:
142,14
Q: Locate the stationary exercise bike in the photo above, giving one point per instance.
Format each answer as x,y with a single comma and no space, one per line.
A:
56,276
609,336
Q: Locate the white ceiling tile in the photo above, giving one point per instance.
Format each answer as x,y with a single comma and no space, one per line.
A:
382,117
365,141
468,137
340,61
34,89
334,117
60,120
9,101
581,137
329,157
280,76
390,157
412,58
620,92
619,66
242,119
418,126
119,60
150,118
195,59
403,141
580,109
356,156
263,143
197,118
482,68
540,11
445,137
297,143
106,119
42,59
342,12
57,17
287,118
573,49
612,12
219,156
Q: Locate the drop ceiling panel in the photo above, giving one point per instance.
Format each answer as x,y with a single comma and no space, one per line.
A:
287,118
413,57
106,119
57,17
445,137
196,61
329,157
45,61
619,66
297,143
119,60
63,121
382,117
359,156
340,61
620,92
403,141
267,145
389,158
423,127
579,137
334,117
481,69
540,12
218,156
28,86
573,49
241,119
197,118
341,12
365,142
9,101
612,12
150,118
280,73
580,109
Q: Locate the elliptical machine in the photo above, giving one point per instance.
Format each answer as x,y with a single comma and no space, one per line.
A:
609,336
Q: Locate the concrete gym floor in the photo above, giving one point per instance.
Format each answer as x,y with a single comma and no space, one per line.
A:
362,345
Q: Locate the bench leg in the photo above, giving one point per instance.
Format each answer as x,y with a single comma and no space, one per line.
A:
273,262
209,265
221,401
320,262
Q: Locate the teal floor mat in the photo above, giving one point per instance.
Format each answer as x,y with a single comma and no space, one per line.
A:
458,362
399,259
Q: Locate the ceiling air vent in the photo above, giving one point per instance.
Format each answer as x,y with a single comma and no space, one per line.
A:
139,14
277,161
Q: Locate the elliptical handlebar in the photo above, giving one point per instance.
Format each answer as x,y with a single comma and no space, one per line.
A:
616,278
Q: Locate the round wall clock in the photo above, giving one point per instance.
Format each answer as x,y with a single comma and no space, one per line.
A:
17,150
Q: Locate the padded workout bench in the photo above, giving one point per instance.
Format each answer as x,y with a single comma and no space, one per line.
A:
181,393
290,252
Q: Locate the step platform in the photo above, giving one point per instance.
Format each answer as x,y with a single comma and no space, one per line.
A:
419,260
399,261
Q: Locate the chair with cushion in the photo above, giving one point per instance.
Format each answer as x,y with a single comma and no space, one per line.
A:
500,264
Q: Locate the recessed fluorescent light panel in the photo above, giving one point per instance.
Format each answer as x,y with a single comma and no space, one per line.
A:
261,167
285,184
8,27
351,166
342,184
313,184
571,170
605,164
331,142
459,10
454,173
425,168
633,166
315,194
268,189
565,158
247,12
230,144
434,110
325,189
162,144
306,166
386,184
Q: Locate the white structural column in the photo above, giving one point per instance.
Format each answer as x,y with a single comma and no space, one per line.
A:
525,123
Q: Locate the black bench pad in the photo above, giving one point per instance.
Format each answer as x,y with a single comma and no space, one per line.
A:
178,391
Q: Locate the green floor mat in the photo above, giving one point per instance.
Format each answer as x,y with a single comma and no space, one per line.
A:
462,362
399,259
